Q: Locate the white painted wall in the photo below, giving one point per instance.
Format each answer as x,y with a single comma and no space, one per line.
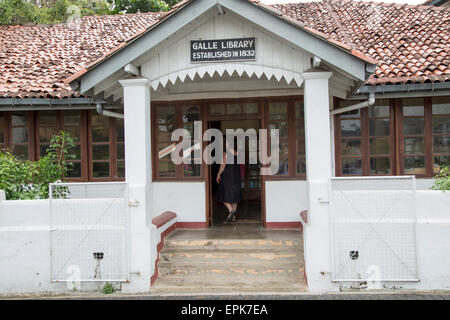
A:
285,200
186,199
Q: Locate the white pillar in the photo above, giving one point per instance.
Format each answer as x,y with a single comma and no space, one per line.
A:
138,176
318,172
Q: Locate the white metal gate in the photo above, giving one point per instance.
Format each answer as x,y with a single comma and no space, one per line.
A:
89,235
373,229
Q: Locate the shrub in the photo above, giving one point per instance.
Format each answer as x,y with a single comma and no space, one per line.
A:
30,179
442,180
108,288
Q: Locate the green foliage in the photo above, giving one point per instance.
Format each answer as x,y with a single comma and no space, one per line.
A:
108,288
442,180
30,179
134,6
60,11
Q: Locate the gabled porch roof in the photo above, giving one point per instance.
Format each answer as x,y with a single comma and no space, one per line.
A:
348,61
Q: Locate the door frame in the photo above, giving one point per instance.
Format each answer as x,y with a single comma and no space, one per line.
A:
211,118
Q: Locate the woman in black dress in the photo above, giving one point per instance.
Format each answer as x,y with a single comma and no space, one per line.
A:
229,180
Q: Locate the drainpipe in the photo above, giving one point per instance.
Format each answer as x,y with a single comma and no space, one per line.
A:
360,105
107,113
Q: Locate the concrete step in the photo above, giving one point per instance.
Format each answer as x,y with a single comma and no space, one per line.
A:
225,244
229,271
173,285
195,256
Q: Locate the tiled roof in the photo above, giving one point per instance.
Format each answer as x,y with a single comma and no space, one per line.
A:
35,59
409,43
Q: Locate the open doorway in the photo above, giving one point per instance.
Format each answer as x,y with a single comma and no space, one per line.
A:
250,207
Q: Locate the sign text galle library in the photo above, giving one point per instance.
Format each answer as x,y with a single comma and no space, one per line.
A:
223,50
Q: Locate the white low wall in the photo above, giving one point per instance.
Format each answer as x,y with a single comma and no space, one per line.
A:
186,199
285,200
25,247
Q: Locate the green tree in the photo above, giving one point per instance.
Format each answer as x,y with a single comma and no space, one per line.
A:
134,6
19,12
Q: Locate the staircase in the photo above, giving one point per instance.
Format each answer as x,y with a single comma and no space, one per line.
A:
195,261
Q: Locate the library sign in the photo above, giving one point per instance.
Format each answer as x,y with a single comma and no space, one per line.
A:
223,50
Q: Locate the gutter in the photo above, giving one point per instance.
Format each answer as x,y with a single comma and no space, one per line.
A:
101,111
360,105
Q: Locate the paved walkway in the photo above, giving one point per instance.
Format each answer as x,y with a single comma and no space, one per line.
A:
441,295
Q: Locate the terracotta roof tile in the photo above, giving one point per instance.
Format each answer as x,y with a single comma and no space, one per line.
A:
408,43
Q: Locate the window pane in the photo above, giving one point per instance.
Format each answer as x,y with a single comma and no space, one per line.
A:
415,165
120,151
414,145
166,114
46,134
379,127
300,128
380,165
441,124
192,170
43,149
234,108
351,147
72,118
282,126
441,105
21,151
190,128
166,168
299,109
379,111
351,166
100,134
47,118
284,158
76,151
301,147
120,133
75,170
191,114
100,152
301,166
440,162
165,132
380,146
250,108
99,121
100,169
277,110
2,129
441,144
121,169
413,107
217,109
351,114
74,132
413,126
19,135
350,128
19,118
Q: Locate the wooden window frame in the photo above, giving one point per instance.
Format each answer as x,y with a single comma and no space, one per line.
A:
433,153
365,141
112,143
396,139
178,123
205,116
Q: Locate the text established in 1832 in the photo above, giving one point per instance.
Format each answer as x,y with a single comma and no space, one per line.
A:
223,50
